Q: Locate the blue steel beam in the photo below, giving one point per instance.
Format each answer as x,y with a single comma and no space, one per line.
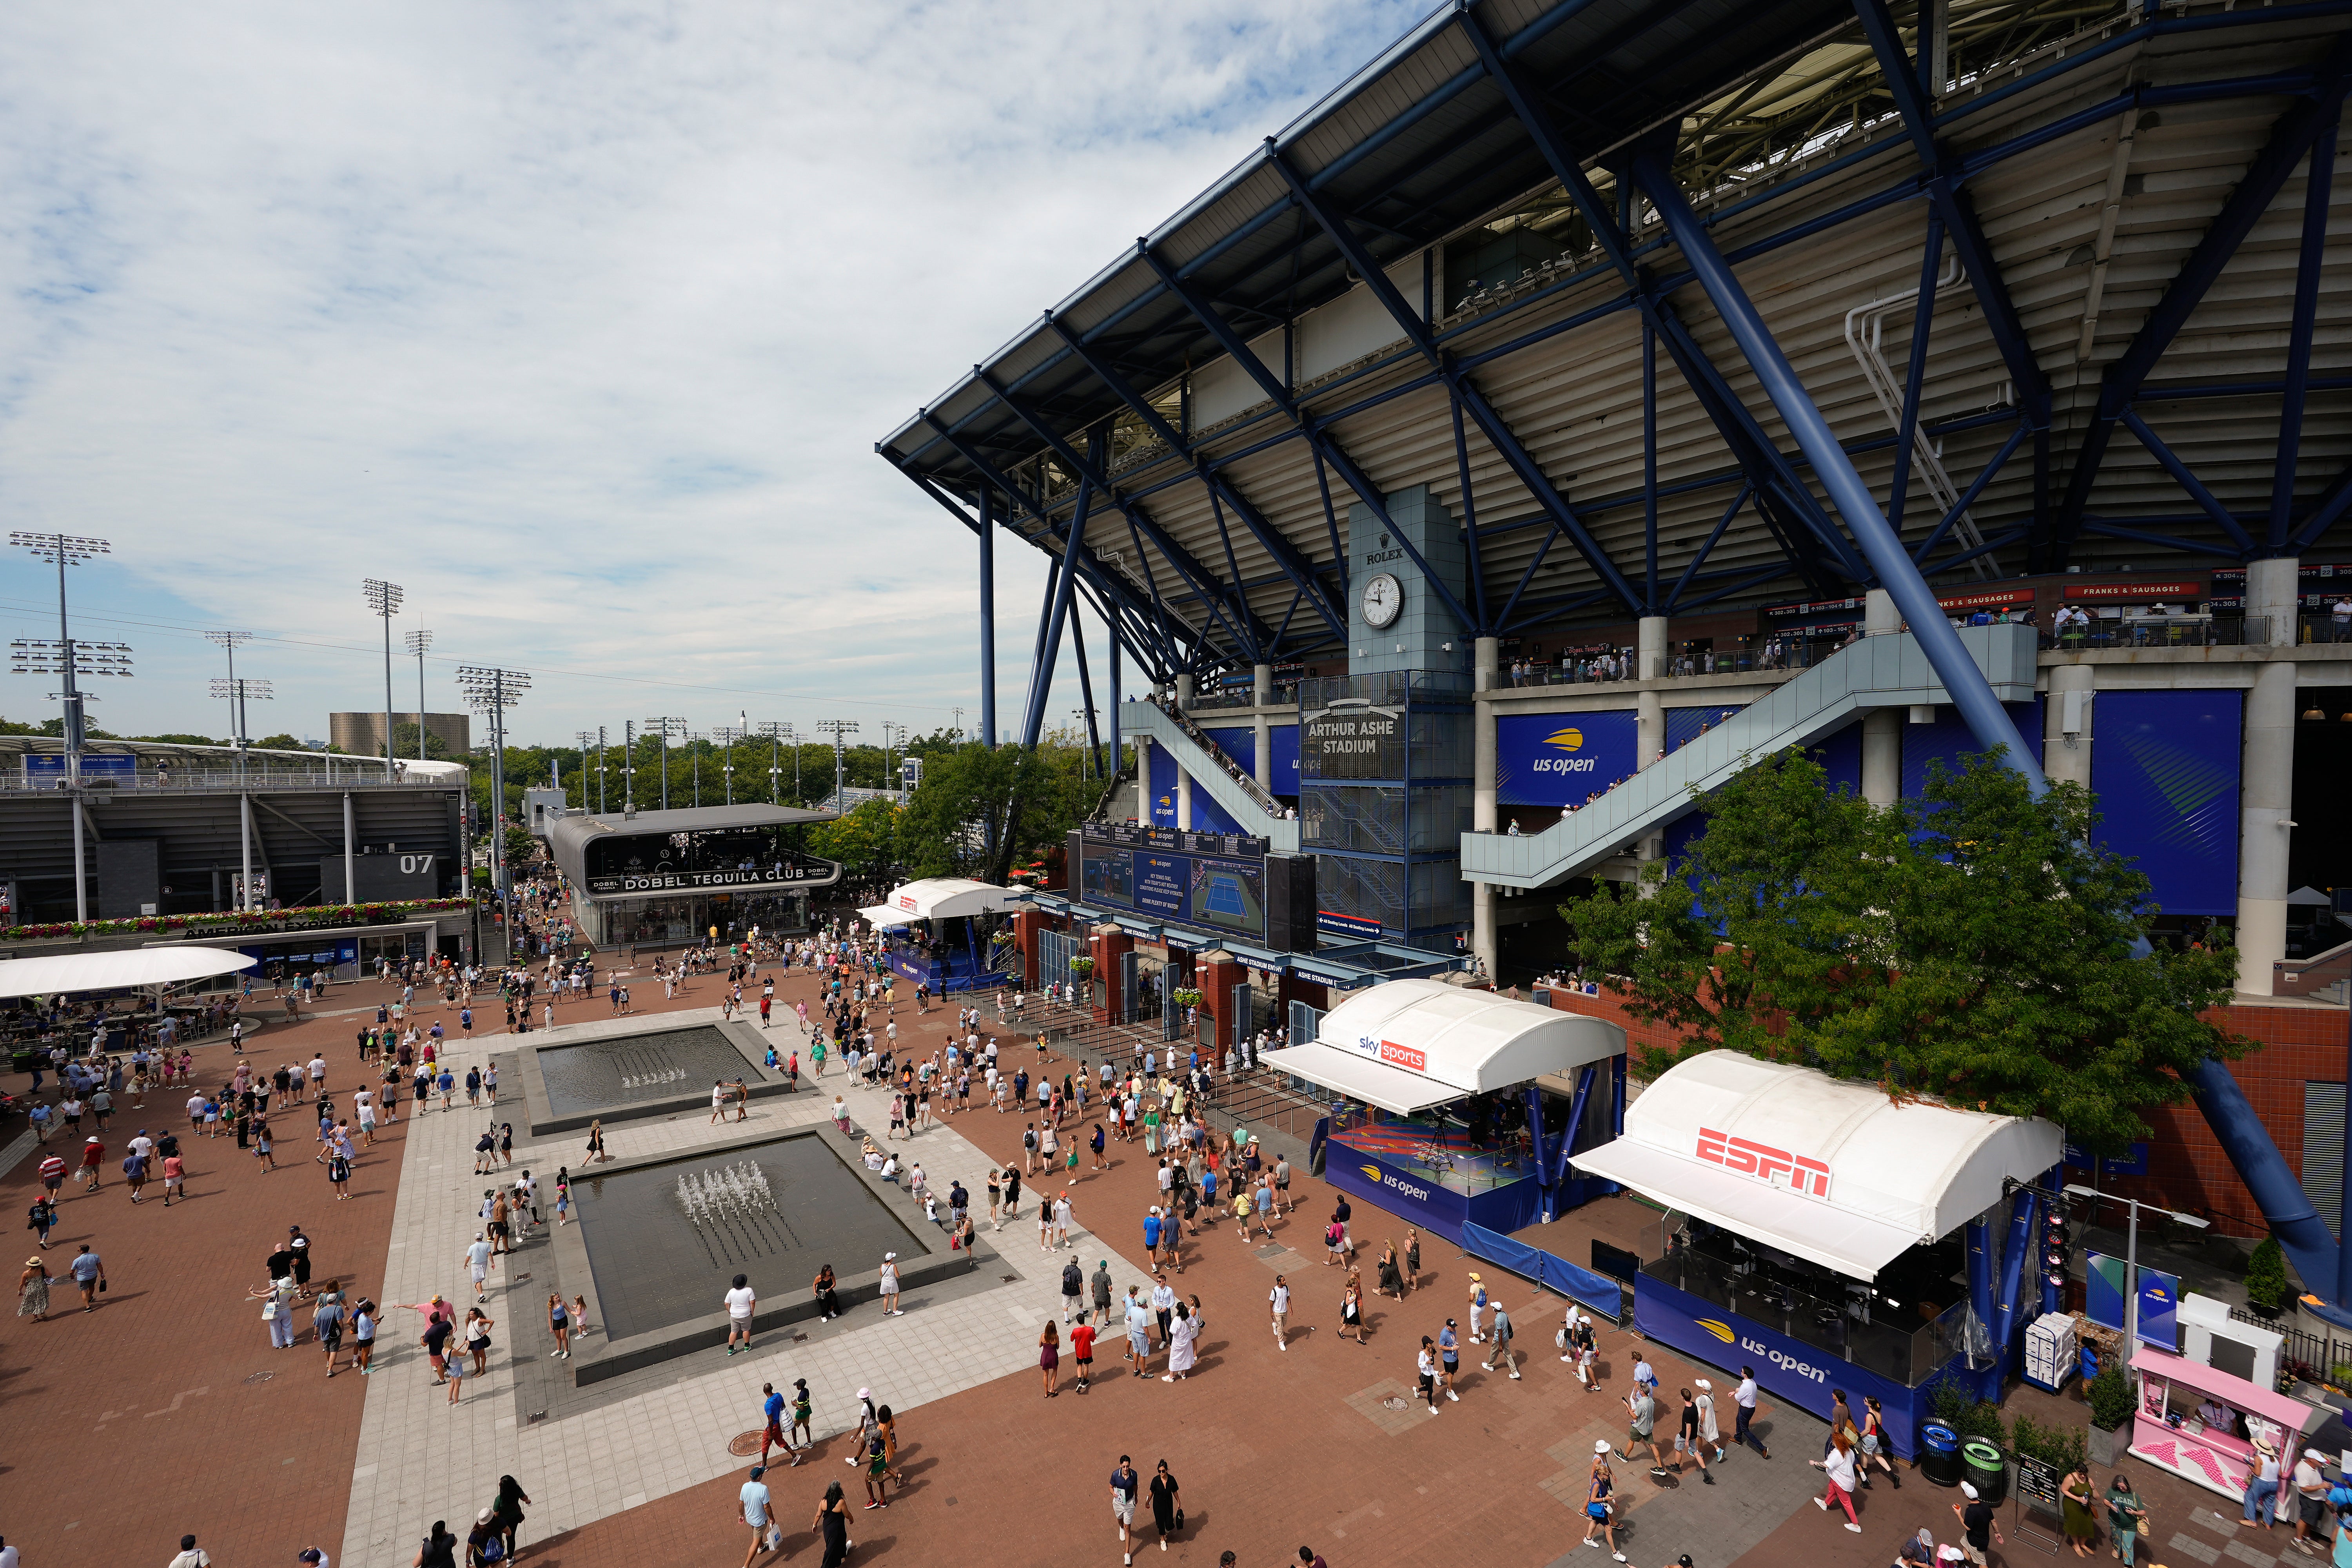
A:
2291,139
1318,440
1675,598
1968,497
2318,187
2326,510
1986,720
1335,226
1915,377
1295,564
1173,552
2187,480
1754,453
1055,611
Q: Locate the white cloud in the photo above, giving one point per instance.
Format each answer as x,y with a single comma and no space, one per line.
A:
580,323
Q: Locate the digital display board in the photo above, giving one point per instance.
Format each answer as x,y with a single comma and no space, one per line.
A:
1215,880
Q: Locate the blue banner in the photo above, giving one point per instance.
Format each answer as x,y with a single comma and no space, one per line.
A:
1284,776
1685,725
1162,812
2165,765
1948,740
1559,759
2135,1165
1238,741
120,766
1788,1369
1411,1196
1554,1273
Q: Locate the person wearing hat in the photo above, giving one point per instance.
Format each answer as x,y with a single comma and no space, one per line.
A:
889,1285
1600,1501
753,1506
1977,1530
484,1544
314,1557
1478,1306
1709,1432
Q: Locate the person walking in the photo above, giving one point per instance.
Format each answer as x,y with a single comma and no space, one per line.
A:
1687,1439
1502,1331
1073,1286
1449,1353
1182,1334
1167,1504
1979,1534
1871,1446
1838,1467
1101,1284
1601,1502
506,1511
1744,1397
1352,1309
89,1273
832,1523
1709,1431
1138,1331
753,1506
889,1283
1124,1484
33,1290
1641,1412
2126,1515
1049,1357
1425,1367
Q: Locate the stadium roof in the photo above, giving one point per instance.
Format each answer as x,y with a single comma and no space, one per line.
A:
1429,279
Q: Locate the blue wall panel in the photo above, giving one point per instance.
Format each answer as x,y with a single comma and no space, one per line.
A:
1285,759
1683,724
1840,757
1557,759
1238,741
1948,740
1161,810
2165,767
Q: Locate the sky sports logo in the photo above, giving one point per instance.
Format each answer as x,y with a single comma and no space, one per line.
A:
1568,740
1380,1178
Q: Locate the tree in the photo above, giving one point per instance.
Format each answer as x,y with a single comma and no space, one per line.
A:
280,743
404,742
1973,944
980,807
864,840
182,739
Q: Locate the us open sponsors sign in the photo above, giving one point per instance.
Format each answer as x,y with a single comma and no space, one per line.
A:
685,882
1409,1193
1786,1368
1352,744
1558,759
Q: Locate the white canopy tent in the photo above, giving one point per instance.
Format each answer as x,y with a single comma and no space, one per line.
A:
1832,1171
1407,1045
936,898
149,968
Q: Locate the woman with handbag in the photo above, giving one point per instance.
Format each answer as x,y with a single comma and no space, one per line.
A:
1167,1506
2126,1517
1873,1442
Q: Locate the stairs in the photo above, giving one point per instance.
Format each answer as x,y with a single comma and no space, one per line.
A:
1257,812
1889,671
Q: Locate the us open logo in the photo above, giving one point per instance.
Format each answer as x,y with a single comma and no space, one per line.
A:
1569,739
1380,1178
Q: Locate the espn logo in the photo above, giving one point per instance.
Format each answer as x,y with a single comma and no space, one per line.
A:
1405,1056
1776,1166
906,901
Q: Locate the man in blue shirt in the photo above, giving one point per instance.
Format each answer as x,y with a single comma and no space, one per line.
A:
1449,1348
88,1273
1152,1238
1138,1331
773,1407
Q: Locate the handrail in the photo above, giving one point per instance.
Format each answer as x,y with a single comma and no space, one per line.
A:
1250,787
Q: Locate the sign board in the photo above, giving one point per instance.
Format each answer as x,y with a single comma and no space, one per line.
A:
1196,883
96,767
1352,742
2160,1299
790,872
2133,1164
1179,840
1559,759
2037,1486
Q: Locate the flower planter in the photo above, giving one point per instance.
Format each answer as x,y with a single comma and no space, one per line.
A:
2101,1446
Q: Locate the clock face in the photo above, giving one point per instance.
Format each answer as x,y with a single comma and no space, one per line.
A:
1383,597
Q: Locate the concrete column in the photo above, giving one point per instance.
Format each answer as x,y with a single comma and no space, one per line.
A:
1184,692
1882,728
1486,660
351,884
1142,744
2266,784
1183,797
2067,758
1262,698
1649,706
1879,616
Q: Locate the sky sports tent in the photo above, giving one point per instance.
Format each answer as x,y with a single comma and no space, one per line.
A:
937,929
1442,1119
146,968
1813,1228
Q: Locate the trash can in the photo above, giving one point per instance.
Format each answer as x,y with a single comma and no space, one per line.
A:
1986,1470
1939,1453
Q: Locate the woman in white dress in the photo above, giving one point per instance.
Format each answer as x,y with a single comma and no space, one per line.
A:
1182,1335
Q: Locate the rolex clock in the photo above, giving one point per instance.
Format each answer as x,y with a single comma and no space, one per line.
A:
1383,597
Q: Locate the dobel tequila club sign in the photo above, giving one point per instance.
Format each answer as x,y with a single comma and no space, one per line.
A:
682,881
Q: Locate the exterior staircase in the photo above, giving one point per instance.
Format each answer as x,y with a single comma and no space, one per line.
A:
1259,813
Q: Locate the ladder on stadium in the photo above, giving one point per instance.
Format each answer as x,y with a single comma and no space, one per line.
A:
1888,671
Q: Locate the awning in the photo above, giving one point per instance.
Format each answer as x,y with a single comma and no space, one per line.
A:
882,917
1850,1244
1407,1045
1825,1169
1361,1078
71,972
947,897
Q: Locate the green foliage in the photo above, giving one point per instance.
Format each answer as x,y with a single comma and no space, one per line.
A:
181,740
2111,1398
1974,944
281,743
2067,1448
865,840
975,796
521,846
1967,1415
403,745
2266,1282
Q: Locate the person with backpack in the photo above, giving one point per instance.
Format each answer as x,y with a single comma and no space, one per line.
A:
1074,1285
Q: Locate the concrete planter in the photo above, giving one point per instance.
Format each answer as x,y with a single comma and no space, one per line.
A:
2101,1446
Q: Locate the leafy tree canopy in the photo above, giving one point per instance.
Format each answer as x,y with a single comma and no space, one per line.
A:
1973,944
980,806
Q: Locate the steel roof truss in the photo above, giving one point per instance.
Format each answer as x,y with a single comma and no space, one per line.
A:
2318,189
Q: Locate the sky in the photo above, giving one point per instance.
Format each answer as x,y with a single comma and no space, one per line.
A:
579,323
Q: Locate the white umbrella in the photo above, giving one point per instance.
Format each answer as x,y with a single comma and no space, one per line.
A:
148,967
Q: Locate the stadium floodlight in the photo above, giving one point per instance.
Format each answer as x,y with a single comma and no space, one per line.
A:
778,733
419,641
64,549
665,725
492,689
840,730
727,735
383,599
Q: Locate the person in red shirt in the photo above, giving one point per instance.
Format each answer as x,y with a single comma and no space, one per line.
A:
53,1173
93,1154
175,1171
1081,1349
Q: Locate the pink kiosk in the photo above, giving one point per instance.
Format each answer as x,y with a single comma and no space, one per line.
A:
2199,1423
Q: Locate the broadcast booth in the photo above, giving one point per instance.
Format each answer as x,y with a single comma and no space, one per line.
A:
1814,1228
1460,1106
938,930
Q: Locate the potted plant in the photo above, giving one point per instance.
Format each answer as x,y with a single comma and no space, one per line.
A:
1082,966
2111,1406
2267,1290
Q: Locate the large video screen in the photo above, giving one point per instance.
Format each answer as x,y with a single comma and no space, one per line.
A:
1218,892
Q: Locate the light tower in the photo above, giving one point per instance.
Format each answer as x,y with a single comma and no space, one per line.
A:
665,725
493,690
66,657
727,735
778,733
419,641
383,599
840,730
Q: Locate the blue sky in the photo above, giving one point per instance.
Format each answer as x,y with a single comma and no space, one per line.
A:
578,323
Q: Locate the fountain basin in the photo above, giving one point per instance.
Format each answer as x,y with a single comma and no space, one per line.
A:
621,1070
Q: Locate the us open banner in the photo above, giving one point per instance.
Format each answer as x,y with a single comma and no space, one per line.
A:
1558,759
